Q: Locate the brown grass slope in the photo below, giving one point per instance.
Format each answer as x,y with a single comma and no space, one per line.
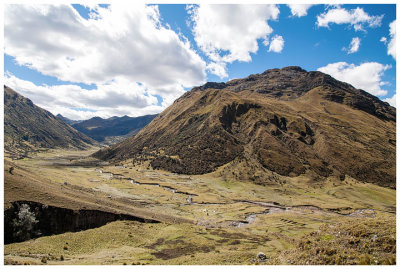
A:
23,185
27,126
287,120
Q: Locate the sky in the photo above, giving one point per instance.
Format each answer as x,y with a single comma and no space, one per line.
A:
118,59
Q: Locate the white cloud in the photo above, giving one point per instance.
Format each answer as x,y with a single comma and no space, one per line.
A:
391,45
391,100
218,69
299,10
357,18
392,42
354,45
118,43
366,76
117,98
228,33
277,44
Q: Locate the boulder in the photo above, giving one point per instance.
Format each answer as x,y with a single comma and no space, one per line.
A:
261,256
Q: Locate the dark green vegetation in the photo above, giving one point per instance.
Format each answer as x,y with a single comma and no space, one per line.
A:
28,127
102,129
287,121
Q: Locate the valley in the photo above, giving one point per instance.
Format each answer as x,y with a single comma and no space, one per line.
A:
169,218
139,133
282,167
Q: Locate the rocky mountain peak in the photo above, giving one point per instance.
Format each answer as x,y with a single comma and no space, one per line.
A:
293,82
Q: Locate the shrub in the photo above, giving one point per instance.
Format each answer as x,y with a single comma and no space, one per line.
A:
24,223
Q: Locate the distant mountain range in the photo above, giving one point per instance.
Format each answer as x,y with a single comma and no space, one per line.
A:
28,127
110,130
284,121
69,121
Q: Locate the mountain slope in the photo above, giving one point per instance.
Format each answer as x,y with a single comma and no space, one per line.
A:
99,129
27,126
286,121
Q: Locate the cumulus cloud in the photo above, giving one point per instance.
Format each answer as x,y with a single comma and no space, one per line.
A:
357,18
218,69
277,44
228,33
354,45
392,42
391,100
117,98
366,76
117,43
391,45
299,10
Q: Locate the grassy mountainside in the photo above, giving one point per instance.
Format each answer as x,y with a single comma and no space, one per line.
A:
286,121
28,127
99,129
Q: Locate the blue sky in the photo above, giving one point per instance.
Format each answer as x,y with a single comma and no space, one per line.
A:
113,60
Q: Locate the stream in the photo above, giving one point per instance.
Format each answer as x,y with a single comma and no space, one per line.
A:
271,207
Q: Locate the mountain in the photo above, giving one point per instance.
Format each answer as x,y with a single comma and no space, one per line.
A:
112,128
284,121
28,127
68,121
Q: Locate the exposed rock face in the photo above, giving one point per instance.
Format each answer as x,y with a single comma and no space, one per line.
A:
232,112
28,126
287,120
49,220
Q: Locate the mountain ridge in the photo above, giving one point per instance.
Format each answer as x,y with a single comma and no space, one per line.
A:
114,128
28,127
67,120
285,89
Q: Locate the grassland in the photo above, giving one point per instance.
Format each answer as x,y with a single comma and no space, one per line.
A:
205,219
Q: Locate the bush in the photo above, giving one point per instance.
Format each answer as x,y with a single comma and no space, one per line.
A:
24,223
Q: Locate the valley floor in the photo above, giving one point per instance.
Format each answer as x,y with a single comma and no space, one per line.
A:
196,219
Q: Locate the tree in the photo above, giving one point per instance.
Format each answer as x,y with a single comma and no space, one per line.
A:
25,223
